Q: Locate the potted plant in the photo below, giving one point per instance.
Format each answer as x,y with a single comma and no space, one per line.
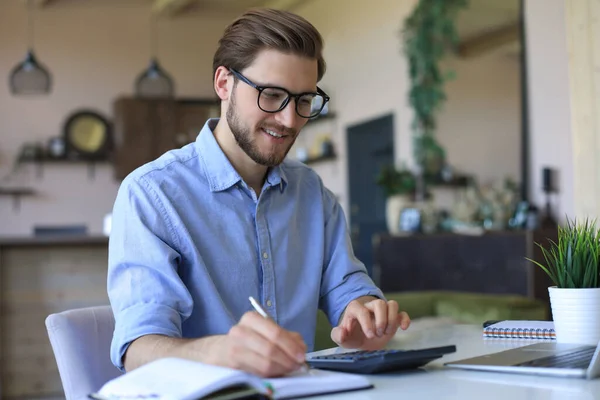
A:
399,188
572,263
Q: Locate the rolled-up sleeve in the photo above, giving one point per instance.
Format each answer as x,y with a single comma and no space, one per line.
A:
144,288
345,277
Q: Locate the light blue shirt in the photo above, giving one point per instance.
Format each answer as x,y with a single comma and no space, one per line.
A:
190,241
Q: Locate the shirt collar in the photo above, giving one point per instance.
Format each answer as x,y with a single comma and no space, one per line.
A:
220,173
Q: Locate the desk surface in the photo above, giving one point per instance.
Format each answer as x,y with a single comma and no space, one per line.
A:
438,382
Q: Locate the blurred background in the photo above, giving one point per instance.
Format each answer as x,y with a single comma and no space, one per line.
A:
450,159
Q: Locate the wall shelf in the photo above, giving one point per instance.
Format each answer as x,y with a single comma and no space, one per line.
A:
41,161
314,160
328,116
16,194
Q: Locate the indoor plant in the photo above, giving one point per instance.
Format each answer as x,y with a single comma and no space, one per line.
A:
572,263
428,34
399,186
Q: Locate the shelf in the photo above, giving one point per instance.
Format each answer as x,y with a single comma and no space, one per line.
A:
41,160
328,116
457,181
64,160
16,194
318,159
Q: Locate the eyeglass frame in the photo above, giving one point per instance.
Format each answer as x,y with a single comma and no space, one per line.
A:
290,95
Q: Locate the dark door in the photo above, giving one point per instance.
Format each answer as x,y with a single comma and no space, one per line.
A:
370,147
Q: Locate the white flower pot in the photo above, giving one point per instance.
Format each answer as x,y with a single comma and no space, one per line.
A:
576,315
393,206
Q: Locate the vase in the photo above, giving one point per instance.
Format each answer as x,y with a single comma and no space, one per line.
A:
393,207
576,315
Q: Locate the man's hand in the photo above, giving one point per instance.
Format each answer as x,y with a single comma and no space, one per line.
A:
259,346
369,324
256,345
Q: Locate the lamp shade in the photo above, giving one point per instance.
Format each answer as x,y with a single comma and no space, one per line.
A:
30,77
154,82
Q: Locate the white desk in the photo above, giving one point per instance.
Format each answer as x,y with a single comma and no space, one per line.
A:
438,382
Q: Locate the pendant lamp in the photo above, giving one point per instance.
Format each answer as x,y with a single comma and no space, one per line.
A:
154,81
30,77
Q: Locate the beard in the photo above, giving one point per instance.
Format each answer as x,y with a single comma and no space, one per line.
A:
243,136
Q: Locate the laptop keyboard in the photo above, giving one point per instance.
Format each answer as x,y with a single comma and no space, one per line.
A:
578,359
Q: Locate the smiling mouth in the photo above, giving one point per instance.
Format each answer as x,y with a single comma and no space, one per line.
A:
273,133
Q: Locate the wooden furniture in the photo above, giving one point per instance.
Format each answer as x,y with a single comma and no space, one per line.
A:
40,276
492,263
144,129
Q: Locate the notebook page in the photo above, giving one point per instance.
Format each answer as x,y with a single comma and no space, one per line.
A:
316,381
174,379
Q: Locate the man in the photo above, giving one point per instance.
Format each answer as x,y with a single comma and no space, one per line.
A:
202,228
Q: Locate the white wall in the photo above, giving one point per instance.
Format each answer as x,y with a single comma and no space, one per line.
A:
549,101
94,49
584,73
366,75
480,124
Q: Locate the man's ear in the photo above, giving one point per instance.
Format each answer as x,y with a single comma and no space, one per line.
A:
223,85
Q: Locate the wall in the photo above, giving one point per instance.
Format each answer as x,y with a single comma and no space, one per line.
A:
584,73
366,75
94,49
367,78
93,61
480,124
549,104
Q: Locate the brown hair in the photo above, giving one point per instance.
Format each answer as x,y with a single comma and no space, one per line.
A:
259,29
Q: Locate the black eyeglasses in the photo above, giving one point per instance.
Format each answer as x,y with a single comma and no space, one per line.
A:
273,99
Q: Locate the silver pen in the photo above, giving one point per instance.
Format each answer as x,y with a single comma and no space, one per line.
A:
259,309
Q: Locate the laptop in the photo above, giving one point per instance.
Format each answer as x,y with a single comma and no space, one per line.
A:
552,359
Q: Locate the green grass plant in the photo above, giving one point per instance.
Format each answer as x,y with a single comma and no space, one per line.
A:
574,261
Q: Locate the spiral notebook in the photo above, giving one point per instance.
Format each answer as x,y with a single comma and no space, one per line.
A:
513,329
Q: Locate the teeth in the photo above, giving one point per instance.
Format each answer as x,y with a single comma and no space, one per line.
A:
270,132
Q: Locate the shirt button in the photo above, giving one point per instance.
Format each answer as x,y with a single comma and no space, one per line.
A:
265,255
269,303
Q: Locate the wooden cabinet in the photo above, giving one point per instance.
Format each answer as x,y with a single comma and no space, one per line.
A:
144,129
492,263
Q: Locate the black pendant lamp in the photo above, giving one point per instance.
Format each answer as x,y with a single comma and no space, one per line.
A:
154,81
30,77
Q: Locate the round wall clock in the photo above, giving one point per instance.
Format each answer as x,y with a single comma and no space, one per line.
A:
87,135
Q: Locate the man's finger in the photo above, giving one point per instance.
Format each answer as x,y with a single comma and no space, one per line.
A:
403,320
393,321
292,345
380,311
365,318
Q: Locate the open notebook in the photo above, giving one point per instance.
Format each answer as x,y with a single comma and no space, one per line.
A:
180,379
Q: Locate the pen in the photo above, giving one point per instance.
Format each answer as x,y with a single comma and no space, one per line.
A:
259,308
256,305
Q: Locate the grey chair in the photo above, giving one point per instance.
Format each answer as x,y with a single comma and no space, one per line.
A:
81,340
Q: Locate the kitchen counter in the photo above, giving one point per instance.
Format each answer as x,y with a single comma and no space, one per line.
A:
41,275
54,240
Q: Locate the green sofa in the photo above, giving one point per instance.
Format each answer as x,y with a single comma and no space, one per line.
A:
461,307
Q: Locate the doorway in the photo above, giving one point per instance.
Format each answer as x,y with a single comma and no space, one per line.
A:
370,148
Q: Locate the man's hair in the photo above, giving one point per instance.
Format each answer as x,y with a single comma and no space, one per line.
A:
260,29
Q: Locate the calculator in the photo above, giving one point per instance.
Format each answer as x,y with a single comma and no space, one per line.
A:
370,362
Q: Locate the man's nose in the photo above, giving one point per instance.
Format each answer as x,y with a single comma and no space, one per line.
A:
288,116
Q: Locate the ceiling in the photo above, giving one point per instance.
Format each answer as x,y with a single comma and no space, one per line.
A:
484,26
489,25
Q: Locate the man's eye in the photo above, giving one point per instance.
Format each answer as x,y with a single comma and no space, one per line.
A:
272,95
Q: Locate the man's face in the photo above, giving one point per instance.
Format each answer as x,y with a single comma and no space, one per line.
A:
267,137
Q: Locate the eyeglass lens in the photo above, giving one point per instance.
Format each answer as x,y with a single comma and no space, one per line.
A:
308,105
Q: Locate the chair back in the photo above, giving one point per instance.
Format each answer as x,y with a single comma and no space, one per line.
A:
80,340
